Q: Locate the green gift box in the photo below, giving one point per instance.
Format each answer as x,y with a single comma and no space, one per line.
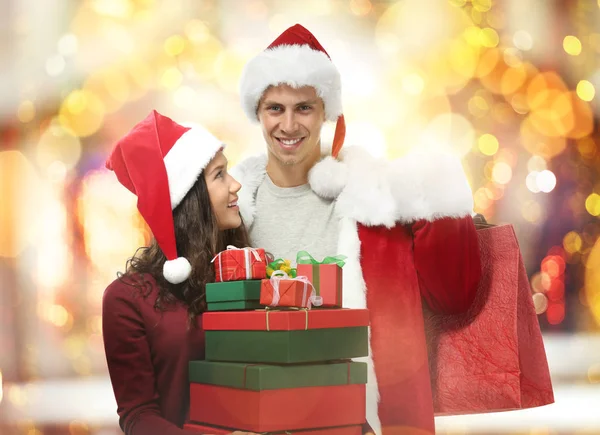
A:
287,347
233,295
258,377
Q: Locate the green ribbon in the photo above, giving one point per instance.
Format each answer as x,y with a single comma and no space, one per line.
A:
303,257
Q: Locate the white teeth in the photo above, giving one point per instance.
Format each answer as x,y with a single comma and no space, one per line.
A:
290,142
232,204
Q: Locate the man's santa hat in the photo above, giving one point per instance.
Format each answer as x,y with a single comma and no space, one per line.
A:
296,59
159,161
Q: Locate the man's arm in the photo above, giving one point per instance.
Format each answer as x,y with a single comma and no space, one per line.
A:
447,261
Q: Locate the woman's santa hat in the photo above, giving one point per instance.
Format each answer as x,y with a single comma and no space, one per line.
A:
296,59
159,161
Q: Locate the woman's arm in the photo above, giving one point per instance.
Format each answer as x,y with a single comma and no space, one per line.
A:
130,365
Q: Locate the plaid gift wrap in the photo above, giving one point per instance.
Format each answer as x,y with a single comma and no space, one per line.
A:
237,264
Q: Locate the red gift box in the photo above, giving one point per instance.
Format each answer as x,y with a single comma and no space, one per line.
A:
342,430
238,264
283,291
273,320
278,410
327,279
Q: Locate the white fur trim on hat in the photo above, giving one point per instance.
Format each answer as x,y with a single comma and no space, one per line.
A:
178,270
296,66
195,145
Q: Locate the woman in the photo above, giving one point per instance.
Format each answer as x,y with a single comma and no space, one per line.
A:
152,314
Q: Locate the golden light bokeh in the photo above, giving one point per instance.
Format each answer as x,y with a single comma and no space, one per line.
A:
586,147
488,144
171,78
228,69
449,132
140,75
539,144
405,27
523,40
578,115
540,302
482,5
512,79
82,113
19,205
174,45
572,242
58,144
488,37
501,173
478,106
592,204
531,211
585,90
26,111
413,84
594,374
203,56
117,84
360,7
572,45
536,163
487,62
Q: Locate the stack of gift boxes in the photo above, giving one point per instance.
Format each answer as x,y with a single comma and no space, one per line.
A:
274,363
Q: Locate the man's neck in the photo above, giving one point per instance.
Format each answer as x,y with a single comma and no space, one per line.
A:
290,175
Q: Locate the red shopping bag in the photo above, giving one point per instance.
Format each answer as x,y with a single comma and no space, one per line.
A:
492,358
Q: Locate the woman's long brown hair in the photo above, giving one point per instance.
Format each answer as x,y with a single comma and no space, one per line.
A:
198,239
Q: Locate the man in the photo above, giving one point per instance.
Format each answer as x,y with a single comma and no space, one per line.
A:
405,226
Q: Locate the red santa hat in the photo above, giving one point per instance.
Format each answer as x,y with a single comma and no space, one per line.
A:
297,59
159,161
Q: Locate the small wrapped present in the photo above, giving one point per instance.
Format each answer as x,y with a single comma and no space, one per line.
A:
238,264
326,276
282,290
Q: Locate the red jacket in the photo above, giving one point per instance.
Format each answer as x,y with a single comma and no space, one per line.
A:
147,354
407,231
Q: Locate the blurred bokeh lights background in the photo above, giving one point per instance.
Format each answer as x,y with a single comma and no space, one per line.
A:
509,85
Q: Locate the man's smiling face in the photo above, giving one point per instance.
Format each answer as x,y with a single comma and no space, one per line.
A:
291,120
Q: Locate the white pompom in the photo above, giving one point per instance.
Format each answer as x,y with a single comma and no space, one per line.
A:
328,177
178,270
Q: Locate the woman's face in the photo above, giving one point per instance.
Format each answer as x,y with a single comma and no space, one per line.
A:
222,190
